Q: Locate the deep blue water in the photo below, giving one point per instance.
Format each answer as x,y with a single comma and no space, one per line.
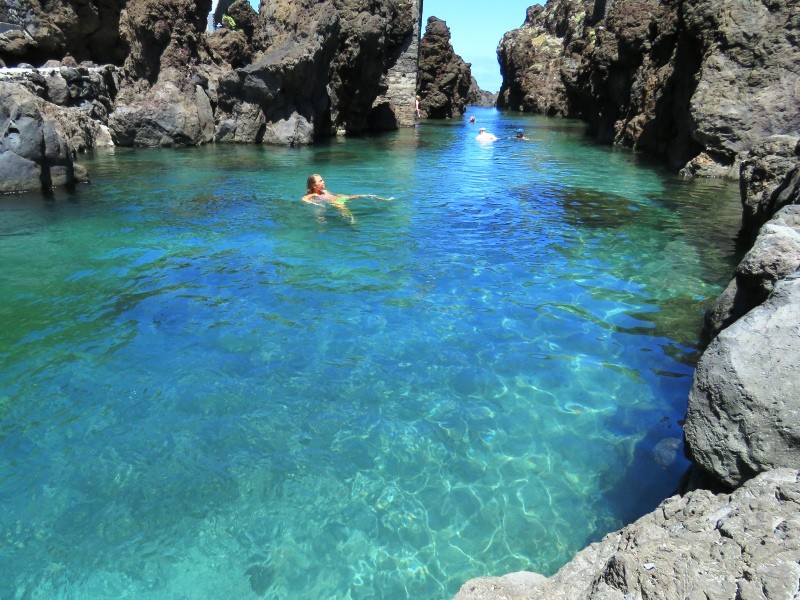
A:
211,390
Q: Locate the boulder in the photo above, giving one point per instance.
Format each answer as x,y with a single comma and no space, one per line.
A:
34,152
743,416
165,116
698,546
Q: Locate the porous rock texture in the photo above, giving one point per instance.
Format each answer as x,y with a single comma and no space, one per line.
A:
40,30
445,80
322,71
698,83
699,546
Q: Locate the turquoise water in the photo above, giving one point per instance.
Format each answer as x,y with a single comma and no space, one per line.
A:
211,390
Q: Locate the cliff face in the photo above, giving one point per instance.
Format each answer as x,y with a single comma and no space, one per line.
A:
699,83
324,69
36,31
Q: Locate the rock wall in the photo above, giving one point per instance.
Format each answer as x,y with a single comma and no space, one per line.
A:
298,71
328,68
706,85
396,105
698,83
36,31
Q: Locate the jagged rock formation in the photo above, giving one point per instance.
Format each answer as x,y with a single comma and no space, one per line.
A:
235,46
35,31
162,101
698,83
298,71
324,71
445,80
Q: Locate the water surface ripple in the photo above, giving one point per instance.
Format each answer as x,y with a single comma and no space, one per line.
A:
211,390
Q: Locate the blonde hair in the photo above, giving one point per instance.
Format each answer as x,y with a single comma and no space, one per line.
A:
312,179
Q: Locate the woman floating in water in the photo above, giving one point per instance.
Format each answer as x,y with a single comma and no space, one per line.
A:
317,194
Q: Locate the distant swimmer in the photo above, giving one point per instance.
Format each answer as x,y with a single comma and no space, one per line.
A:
520,135
472,119
485,136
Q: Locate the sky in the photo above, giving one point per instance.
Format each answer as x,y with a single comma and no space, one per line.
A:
476,28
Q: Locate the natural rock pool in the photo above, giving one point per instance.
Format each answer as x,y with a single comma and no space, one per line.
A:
211,390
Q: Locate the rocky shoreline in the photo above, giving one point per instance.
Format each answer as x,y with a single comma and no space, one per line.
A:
704,86
296,72
709,88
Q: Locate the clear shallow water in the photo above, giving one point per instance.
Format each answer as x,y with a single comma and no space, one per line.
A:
210,390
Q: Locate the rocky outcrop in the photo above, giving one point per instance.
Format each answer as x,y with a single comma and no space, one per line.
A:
34,151
743,414
698,83
445,81
162,100
324,72
235,46
700,545
299,71
479,97
770,180
530,60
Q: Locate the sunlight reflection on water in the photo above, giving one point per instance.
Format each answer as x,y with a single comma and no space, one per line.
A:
209,389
